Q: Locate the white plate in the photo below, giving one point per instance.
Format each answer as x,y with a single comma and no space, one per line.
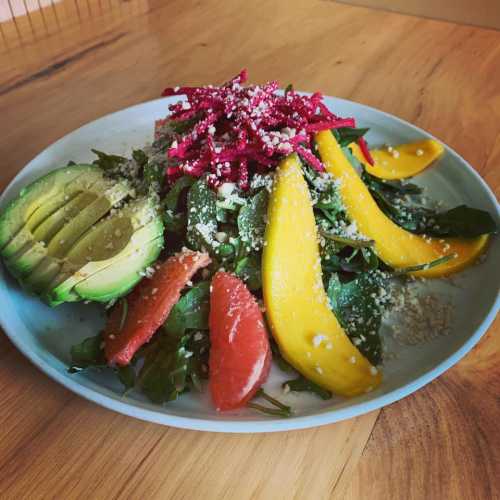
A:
45,335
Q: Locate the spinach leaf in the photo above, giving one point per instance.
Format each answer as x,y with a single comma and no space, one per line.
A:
190,312
301,384
88,353
358,307
202,216
252,220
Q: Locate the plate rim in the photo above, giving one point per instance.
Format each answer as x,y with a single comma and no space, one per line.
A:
242,425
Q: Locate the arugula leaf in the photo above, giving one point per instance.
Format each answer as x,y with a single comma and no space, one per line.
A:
88,353
202,216
252,220
346,135
288,88
107,162
356,305
301,384
175,223
190,312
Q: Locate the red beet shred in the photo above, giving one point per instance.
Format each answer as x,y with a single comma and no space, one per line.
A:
240,130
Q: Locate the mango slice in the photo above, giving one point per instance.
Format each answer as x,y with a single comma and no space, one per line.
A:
308,333
395,246
400,162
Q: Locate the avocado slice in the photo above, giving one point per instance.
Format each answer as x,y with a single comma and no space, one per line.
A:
42,275
39,200
62,242
122,241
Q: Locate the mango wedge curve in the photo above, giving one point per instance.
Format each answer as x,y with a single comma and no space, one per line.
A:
296,302
395,246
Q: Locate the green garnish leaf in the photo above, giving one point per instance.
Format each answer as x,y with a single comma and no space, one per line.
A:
107,162
421,267
171,199
190,312
347,241
252,220
87,353
279,410
249,270
126,375
346,135
301,384
140,157
202,216
288,88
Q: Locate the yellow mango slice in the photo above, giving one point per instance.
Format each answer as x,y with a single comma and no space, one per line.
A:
401,162
308,333
395,246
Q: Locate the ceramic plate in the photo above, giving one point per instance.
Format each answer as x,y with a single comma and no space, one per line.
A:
45,335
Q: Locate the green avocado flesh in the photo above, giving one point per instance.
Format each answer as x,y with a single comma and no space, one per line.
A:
63,238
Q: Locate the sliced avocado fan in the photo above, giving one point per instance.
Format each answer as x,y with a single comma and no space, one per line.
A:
108,260
63,230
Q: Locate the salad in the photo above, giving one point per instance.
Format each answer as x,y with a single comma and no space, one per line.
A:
257,227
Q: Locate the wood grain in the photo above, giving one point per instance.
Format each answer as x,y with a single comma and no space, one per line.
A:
104,55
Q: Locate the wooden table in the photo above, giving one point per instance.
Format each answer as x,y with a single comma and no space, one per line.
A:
78,60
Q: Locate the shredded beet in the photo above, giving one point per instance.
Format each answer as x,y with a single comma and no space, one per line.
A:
240,130
364,149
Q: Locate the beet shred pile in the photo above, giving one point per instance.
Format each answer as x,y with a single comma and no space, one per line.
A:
239,130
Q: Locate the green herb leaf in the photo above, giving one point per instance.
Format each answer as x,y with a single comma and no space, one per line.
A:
279,410
249,270
358,308
420,267
346,135
347,241
252,220
301,384
288,88
171,199
140,157
107,162
190,312
202,216
126,375
88,353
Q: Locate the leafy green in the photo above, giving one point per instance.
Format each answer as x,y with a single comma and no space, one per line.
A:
279,410
164,373
171,199
252,219
202,216
358,308
346,135
301,384
288,88
88,353
107,162
248,269
191,312
420,267
140,157
347,241
126,375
